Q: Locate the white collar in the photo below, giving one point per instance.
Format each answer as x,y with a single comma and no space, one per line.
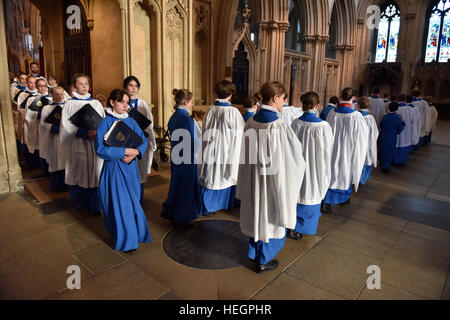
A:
366,110
79,96
184,108
249,109
31,91
116,115
269,108
223,100
311,111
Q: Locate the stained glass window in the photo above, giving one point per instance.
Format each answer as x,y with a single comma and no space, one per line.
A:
438,38
388,30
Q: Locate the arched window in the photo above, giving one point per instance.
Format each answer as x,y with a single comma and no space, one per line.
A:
292,38
330,49
388,30
438,38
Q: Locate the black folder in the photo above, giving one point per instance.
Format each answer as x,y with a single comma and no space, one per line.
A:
38,104
86,118
55,116
23,105
141,120
17,95
122,136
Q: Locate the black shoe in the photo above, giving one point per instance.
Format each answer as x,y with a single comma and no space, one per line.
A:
271,265
208,214
326,208
291,234
384,170
131,251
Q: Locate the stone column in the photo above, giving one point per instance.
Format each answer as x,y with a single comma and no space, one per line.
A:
10,173
408,48
273,38
315,47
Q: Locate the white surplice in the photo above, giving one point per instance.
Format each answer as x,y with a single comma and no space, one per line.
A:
269,189
378,109
289,114
83,167
50,147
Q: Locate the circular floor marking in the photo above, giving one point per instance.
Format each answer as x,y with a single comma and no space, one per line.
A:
211,244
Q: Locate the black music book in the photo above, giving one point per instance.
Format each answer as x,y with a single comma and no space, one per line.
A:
141,120
122,136
55,116
23,105
39,103
86,118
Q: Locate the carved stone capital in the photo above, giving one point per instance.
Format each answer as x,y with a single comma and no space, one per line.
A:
90,24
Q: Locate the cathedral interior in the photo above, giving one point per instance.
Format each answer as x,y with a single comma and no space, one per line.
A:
400,221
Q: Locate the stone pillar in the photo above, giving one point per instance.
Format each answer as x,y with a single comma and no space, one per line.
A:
273,38
315,47
408,50
10,173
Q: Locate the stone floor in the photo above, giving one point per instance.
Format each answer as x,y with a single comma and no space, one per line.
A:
399,222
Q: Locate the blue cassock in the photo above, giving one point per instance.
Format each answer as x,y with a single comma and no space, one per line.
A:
308,215
367,170
119,190
248,115
326,111
391,125
260,251
184,202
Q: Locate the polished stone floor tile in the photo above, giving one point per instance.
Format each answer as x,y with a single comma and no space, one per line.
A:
287,287
99,257
332,267
387,292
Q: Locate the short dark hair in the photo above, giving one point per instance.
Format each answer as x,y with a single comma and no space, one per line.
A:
393,106
116,95
224,89
257,96
409,99
386,95
402,97
309,100
347,94
34,62
416,93
394,98
363,102
21,73
376,90
334,100
128,79
249,102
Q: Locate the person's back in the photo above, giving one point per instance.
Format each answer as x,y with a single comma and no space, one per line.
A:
270,176
332,104
222,136
377,106
289,113
423,108
316,138
349,150
405,138
391,125
371,156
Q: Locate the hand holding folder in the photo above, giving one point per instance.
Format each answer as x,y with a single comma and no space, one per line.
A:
86,118
121,135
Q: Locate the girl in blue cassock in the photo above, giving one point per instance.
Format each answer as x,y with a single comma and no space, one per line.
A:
184,201
119,187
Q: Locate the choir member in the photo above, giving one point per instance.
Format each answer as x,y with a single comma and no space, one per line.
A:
132,85
391,126
102,99
371,156
34,67
83,167
32,125
184,201
119,187
332,104
18,87
417,126
50,145
377,106
289,113
52,84
222,136
270,177
405,141
433,118
316,138
250,107
425,114
349,150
